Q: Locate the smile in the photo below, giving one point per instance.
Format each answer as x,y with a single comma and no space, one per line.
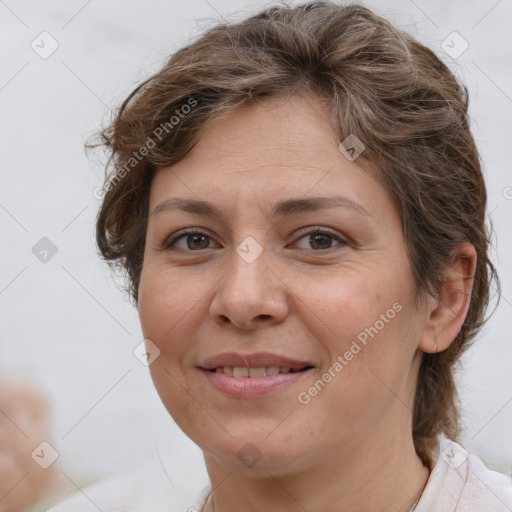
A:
239,371
245,383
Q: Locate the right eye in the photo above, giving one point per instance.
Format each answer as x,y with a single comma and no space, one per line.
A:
193,240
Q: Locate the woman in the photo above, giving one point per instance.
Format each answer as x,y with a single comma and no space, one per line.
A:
298,204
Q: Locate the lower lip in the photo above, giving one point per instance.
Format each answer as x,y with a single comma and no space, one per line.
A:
251,387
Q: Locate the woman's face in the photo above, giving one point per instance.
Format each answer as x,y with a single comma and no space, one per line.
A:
326,285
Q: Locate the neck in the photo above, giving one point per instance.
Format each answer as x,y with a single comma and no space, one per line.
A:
383,477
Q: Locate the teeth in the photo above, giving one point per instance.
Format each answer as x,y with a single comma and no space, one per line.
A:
257,372
240,372
252,372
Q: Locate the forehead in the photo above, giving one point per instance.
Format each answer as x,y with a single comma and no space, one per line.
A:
269,149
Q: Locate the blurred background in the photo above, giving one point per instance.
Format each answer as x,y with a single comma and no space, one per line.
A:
67,331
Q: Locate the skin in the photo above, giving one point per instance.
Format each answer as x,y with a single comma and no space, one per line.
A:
24,423
350,447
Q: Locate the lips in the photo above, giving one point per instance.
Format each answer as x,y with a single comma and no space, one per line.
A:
256,360
253,376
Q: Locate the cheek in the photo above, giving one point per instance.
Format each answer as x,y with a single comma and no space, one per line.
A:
167,307
365,332
365,319
340,308
166,311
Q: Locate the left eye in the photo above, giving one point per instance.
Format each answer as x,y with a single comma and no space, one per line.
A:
321,237
197,240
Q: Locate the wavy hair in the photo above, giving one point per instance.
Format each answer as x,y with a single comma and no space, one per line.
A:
381,85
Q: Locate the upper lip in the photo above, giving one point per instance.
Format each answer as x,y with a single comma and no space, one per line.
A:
257,360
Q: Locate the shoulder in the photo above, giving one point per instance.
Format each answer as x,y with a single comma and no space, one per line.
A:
461,482
487,487
141,490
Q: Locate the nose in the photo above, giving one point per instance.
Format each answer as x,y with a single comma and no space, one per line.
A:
251,295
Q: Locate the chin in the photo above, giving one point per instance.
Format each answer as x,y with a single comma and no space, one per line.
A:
254,455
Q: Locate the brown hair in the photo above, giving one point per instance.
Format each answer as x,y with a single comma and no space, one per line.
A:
382,86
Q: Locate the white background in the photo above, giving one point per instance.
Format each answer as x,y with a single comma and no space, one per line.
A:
64,323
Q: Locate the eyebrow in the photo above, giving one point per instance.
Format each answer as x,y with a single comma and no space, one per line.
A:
280,209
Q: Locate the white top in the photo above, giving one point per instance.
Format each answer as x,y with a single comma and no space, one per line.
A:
459,482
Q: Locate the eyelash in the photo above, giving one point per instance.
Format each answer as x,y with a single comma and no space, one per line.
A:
324,231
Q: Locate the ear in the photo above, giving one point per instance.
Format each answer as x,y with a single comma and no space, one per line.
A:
445,316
